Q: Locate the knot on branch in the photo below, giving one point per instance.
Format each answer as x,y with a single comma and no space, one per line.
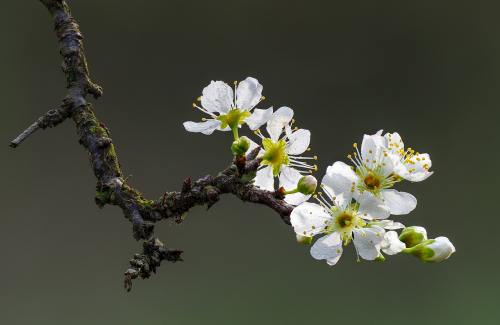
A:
53,118
143,265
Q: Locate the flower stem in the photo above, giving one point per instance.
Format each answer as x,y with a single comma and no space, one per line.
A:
235,132
296,190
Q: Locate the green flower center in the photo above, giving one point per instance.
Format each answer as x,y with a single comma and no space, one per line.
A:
275,154
233,118
344,222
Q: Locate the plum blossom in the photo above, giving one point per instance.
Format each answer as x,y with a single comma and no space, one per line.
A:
371,181
228,109
340,221
282,155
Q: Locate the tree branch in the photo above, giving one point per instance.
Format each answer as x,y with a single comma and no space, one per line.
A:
111,187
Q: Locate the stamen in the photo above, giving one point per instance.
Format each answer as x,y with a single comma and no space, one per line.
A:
204,110
324,204
306,158
258,133
320,194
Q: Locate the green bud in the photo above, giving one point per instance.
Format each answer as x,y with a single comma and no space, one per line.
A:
304,240
240,146
380,258
432,250
307,185
413,235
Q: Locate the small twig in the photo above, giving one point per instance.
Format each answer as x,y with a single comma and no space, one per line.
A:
25,134
49,120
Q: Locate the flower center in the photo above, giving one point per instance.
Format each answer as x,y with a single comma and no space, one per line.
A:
372,182
344,222
275,154
233,118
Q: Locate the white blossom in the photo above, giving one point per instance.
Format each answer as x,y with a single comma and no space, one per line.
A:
228,109
371,181
339,220
282,155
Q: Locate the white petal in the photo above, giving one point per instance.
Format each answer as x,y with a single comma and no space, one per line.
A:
258,118
217,97
389,162
372,207
389,224
399,202
296,198
391,244
418,177
417,168
442,247
289,177
333,261
280,118
298,142
309,219
367,241
328,248
340,178
265,179
394,142
207,127
248,93
372,149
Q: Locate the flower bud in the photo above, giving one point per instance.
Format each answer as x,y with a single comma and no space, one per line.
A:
304,240
240,146
307,185
432,250
413,235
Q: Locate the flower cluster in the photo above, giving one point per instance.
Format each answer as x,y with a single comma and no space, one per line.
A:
357,201
282,149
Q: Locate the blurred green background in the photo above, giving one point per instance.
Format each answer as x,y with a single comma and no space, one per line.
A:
428,69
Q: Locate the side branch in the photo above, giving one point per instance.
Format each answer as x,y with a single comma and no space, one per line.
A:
49,120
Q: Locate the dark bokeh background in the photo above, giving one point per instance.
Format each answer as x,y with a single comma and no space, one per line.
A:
428,69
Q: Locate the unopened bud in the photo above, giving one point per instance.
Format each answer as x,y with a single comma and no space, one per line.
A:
413,235
240,146
304,240
432,250
307,185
